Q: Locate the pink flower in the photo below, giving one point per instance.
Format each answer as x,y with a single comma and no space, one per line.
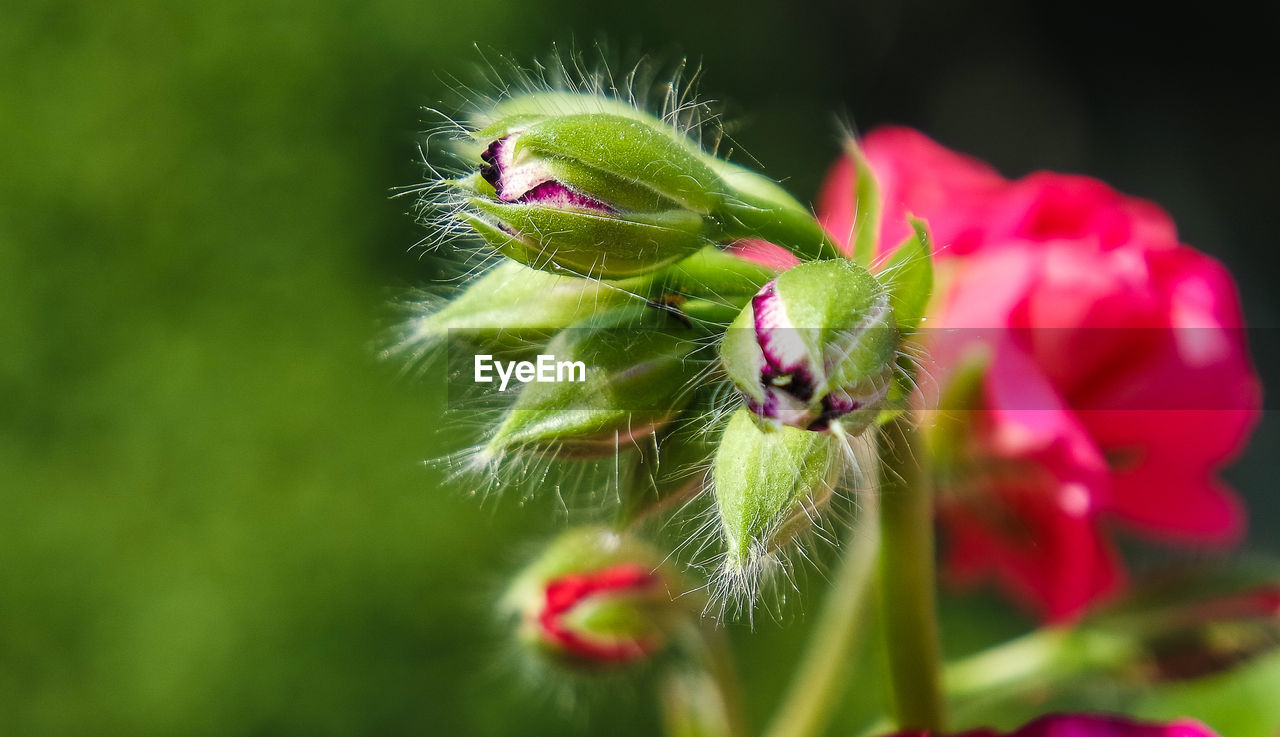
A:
1092,725
1118,382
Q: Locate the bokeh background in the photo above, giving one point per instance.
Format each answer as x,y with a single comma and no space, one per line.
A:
214,515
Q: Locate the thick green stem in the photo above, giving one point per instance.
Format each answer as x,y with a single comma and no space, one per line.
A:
907,582
821,678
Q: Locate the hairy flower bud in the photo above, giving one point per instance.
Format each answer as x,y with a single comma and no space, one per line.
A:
638,377
589,185
510,307
595,598
771,482
816,345
593,193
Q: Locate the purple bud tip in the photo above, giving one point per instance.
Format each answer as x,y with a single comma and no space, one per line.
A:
787,374
530,182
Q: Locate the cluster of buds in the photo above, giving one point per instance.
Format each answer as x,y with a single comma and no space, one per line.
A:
746,383
616,236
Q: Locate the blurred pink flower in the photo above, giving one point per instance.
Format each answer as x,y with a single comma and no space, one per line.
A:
1118,381
1091,725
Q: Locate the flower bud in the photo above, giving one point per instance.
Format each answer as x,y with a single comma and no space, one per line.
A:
771,482
510,308
595,598
592,193
638,377
589,185
816,345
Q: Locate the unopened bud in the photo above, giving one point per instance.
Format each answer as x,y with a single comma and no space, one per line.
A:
588,185
815,346
637,376
771,483
593,193
595,598
511,307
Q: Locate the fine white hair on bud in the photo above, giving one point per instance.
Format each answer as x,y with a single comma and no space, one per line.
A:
778,491
596,174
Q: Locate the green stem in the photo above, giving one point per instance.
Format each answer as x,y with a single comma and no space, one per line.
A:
827,660
907,582
714,708
720,666
1020,663
758,208
1038,659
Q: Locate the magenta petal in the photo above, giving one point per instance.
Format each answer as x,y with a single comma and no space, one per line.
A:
1091,725
1096,725
1166,500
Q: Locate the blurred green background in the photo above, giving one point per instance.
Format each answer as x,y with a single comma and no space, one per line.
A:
215,517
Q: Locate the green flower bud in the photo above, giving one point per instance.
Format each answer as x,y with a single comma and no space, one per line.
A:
771,482
596,599
814,347
587,185
638,377
510,308
593,194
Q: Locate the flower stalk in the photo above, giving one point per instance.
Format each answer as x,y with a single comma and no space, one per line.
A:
908,605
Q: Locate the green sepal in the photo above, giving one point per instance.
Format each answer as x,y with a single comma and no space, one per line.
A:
512,307
908,275
587,244
656,157
522,110
866,206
